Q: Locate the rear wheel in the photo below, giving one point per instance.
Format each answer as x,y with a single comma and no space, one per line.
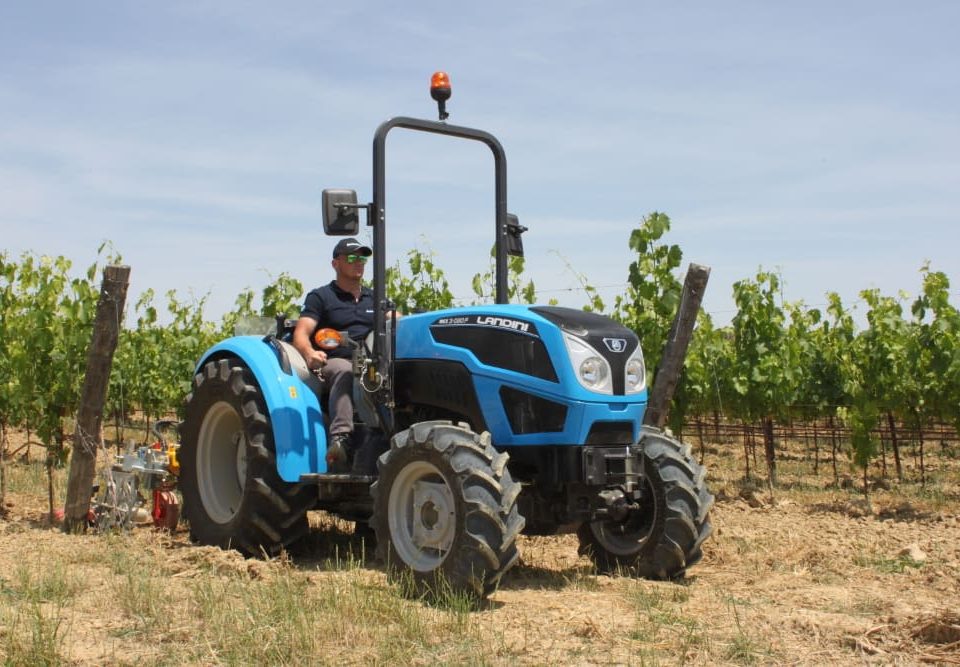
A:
664,537
445,510
233,496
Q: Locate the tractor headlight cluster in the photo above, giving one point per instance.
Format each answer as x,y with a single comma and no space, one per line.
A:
635,373
591,369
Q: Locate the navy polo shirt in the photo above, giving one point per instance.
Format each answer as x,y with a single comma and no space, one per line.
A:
332,307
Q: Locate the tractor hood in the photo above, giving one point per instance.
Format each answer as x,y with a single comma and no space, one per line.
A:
548,344
529,374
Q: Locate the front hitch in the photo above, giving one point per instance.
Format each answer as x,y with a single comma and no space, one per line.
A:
613,466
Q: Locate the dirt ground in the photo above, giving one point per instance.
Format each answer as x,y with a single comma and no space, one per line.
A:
810,575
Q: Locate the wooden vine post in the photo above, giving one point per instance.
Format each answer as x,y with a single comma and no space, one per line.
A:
106,332
675,351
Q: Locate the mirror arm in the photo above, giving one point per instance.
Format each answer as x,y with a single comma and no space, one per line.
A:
343,208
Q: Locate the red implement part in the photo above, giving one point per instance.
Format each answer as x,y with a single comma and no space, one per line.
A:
166,509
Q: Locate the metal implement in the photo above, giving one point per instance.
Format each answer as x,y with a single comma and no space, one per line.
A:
119,501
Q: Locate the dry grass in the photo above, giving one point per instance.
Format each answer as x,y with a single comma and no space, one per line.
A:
807,575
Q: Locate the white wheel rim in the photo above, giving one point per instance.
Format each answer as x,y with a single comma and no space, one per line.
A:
422,516
221,462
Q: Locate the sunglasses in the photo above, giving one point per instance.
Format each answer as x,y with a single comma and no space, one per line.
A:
353,259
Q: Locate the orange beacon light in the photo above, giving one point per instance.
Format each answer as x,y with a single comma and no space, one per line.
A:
440,90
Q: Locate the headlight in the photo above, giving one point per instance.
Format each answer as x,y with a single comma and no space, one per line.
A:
591,369
635,373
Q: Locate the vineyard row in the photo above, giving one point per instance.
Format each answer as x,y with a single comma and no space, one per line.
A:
776,365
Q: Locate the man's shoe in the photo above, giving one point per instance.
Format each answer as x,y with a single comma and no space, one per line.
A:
337,452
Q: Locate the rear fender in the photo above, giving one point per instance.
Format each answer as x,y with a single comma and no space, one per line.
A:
293,406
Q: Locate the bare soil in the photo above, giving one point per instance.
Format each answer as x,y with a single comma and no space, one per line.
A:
809,575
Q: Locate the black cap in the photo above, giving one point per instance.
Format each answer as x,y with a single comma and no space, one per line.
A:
351,247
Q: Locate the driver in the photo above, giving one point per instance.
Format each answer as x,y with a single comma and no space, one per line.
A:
345,305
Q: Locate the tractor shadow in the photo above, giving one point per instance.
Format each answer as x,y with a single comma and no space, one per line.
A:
338,544
529,577
335,544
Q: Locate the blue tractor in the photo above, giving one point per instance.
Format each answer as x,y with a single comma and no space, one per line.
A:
474,425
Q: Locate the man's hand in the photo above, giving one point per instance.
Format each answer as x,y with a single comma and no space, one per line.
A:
301,340
315,359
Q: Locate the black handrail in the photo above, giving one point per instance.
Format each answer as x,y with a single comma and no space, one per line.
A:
377,218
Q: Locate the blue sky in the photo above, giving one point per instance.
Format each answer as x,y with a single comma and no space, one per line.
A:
818,139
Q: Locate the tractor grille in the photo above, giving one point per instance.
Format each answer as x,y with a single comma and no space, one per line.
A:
531,414
610,433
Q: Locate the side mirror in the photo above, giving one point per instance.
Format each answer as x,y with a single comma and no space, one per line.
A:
341,216
514,230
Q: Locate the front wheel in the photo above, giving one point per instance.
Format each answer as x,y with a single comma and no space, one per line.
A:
662,538
445,510
233,496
